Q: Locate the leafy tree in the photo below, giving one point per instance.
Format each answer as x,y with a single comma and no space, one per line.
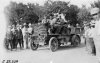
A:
11,14
84,15
56,6
19,13
96,4
71,14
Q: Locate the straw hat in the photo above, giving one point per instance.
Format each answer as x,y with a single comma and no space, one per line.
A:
94,11
29,24
24,24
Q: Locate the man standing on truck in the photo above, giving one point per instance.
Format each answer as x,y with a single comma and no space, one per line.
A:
44,20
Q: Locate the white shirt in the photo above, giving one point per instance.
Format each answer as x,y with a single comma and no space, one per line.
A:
53,21
87,33
97,28
91,33
24,31
44,21
30,30
63,17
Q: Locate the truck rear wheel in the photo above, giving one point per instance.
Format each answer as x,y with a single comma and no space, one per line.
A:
53,44
75,40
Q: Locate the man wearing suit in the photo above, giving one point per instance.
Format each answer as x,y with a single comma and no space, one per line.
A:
9,38
19,36
14,31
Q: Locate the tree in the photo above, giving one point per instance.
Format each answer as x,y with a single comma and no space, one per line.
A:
96,4
84,15
19,13
71,14
11,14
55,6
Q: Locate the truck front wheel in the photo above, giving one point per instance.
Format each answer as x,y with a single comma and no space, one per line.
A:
34,46
53,44
75,40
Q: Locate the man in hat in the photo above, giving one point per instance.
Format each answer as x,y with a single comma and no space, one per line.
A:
87,29
90,43
63,17
30,32
9,37
22,44
51,21
19,36
44,20
95,14
14,31
25,35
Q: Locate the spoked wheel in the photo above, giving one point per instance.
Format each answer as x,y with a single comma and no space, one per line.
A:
75,40
53,44
34,46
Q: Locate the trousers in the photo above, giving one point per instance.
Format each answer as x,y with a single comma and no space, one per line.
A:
25,39
97,46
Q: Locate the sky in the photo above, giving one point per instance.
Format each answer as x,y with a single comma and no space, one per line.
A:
41,2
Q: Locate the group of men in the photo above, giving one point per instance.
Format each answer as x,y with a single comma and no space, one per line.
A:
18,34
92,33
54,18
22,35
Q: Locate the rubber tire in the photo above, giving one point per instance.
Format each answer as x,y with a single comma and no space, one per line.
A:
53,44
34,46
75,41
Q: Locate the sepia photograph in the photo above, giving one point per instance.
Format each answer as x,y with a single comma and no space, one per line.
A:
50,31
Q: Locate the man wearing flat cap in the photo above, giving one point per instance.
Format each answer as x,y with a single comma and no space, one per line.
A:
25,35
96,32
19,37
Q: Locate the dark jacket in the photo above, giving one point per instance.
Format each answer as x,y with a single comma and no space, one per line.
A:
19,34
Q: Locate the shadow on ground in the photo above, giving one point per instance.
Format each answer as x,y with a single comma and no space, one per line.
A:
44,48
71,47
